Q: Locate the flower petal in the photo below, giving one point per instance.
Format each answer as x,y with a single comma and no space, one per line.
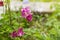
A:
20,32
29,17
14,34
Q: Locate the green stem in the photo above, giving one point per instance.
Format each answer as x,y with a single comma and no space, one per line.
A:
18,19
9,12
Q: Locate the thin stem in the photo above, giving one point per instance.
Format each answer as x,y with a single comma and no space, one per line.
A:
9,12
18,19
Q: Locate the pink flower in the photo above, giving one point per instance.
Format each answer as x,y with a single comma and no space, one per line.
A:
29,17
28,10
25,12
13,34
20,32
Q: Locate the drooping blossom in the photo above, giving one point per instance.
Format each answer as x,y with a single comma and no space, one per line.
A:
17,33
25,12
20,32
29,17
28,10
1,3
13,34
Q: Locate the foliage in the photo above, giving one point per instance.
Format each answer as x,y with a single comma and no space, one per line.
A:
42,27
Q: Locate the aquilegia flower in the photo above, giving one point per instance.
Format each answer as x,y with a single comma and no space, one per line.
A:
20,32
13,34
26,13
17,33
29,17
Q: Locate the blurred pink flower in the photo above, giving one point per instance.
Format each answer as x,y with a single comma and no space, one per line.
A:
28,10
29,17
20,32
13,34
25,12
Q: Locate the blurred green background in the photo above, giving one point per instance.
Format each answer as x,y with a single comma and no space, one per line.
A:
43,26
